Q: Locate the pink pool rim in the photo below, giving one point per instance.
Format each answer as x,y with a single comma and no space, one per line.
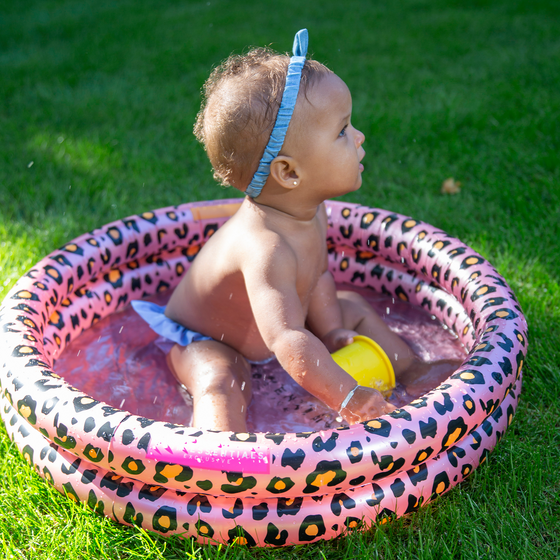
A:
258,489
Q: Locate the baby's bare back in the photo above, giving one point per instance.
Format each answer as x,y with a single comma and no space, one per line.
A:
252,248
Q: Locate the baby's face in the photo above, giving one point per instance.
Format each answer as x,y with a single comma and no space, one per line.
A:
324,142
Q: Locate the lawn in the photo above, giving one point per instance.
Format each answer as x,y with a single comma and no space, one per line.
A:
97,103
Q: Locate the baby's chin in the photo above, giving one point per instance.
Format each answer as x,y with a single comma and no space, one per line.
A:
358,184
354,187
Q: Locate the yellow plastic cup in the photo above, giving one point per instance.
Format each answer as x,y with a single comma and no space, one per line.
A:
368,364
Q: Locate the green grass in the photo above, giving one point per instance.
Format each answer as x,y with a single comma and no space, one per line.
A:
97,102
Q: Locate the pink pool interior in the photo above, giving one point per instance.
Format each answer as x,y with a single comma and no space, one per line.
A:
117,362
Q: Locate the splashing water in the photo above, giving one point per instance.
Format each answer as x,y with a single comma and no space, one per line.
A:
116,361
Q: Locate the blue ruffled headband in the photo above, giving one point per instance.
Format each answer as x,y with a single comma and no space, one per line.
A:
284,116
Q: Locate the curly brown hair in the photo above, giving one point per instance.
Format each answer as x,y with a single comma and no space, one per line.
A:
241,99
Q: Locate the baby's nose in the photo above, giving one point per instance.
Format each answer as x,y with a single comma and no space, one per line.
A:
360,138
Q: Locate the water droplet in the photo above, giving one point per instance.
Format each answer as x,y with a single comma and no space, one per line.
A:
122,402
30,164
120,331
243,386
388,310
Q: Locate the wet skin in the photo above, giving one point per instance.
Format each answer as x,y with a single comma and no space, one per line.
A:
260,286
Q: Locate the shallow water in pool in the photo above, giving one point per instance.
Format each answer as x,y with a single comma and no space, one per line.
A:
116,361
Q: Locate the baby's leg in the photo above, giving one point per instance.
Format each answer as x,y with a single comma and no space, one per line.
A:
219,380
418,377
359,316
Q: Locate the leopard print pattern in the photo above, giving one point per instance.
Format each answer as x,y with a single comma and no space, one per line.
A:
264,489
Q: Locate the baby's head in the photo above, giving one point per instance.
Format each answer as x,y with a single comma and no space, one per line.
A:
241,100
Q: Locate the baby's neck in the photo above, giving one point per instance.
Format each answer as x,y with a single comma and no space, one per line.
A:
296,214
288,206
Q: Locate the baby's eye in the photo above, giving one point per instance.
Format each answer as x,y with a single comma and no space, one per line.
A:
343,131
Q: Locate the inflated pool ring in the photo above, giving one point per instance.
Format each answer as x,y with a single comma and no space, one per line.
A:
262,489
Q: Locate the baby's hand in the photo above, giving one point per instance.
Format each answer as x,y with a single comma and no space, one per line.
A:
338,338
365,404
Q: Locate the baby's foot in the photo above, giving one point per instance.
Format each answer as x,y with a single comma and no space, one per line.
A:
422,377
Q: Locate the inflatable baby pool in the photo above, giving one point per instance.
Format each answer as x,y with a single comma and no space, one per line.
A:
264,489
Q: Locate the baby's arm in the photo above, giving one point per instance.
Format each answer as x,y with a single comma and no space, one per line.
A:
324,316
270,283
329,308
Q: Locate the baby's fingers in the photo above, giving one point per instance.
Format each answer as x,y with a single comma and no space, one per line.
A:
339,338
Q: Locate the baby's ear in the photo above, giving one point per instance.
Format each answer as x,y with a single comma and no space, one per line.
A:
284,172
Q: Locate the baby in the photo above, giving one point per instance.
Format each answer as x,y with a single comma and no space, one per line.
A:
260,287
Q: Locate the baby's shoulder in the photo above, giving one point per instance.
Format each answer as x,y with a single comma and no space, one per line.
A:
265,245
256,243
